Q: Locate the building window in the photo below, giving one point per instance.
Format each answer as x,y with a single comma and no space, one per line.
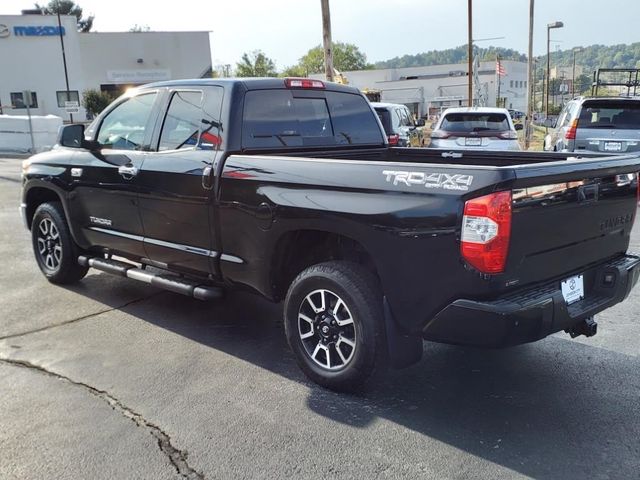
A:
18,100
61,95
511,84
525,84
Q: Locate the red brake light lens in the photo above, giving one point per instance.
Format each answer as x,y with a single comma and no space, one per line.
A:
394,139
303,83
486,230
572,131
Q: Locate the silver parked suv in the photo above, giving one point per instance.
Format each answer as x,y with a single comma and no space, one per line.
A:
603,124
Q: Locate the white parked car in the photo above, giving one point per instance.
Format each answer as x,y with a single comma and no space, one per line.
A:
477,128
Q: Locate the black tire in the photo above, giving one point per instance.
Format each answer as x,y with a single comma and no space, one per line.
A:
53,246
360,294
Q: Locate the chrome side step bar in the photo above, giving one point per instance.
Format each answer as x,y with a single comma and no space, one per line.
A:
184,286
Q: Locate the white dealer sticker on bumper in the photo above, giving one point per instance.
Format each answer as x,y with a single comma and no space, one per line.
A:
572,289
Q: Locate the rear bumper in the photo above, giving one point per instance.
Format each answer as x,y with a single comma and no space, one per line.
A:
531,314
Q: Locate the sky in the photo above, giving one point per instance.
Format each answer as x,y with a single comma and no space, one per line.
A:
286,29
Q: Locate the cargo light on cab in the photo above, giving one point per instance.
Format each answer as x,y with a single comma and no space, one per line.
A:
303,83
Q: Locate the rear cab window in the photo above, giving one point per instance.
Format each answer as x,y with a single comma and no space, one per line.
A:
610,114
475,122
299,118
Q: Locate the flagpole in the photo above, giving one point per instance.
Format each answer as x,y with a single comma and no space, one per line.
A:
498,79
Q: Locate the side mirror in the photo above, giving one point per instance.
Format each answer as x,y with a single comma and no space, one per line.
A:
72,136
420,122
518,126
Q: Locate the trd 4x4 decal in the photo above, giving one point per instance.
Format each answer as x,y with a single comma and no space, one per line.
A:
444,181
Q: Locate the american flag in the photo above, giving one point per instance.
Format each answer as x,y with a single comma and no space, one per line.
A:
500,70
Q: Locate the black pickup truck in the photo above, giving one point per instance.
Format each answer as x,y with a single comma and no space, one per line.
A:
287,187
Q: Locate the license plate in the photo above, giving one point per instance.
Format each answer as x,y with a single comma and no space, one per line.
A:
612,146
473,142
572,289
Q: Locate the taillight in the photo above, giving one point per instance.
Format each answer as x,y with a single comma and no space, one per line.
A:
486,228
571,132
303,83
440,134
394,139
508,135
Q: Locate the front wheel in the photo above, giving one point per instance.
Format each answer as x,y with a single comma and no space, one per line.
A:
53,246
334,324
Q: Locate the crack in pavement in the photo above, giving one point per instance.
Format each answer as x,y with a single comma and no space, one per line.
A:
83,317
178,458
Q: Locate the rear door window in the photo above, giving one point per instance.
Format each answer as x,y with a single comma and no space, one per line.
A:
475,122
278,119
192,121
610,114
181,126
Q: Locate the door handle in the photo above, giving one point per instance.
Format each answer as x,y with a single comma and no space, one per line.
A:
207,182
127,172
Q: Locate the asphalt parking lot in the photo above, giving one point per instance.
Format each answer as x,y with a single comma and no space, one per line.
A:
115,379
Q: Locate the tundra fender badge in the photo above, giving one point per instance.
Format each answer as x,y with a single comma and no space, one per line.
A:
100,221
76,172
444,181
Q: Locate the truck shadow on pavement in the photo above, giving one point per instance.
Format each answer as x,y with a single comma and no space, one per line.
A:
554,409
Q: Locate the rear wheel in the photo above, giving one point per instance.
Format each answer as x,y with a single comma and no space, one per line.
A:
53,246
333,323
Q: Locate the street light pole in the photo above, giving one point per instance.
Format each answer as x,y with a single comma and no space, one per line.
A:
546,102
64,58
470,53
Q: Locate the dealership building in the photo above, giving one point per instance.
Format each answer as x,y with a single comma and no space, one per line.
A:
31,60
428,90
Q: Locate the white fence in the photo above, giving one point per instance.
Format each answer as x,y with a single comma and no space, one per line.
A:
16,137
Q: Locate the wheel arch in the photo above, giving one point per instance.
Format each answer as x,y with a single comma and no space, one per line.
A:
36,196
296,250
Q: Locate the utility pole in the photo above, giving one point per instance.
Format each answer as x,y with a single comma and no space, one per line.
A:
64,58
326,40
530,82
470,54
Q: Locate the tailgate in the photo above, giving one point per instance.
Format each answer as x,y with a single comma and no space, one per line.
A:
608,141
568,215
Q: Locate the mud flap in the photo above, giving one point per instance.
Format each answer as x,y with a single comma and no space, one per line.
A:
403,349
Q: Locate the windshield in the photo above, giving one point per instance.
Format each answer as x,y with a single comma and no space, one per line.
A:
296,118
475,122
610,114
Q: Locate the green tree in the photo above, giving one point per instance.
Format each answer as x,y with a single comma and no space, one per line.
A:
256,64
94,101
346,56
583,84
68,7
294,71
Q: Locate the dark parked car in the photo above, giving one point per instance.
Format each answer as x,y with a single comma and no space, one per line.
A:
602,124
288,188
